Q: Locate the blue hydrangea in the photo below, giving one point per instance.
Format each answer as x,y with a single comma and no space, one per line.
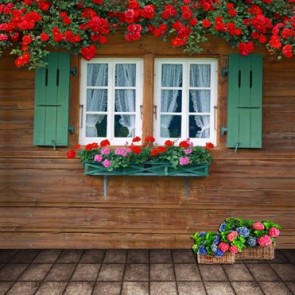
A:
218,253
251,241
214,247
202,234
243,231
216,240
202,250
222,227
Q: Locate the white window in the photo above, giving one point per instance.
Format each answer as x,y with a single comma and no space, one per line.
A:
111,98
185,100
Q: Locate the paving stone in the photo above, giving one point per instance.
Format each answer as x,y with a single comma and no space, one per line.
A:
4,286
163,288
246,288
107,288
47,256
187,272
35,272
23,288
161,272
93,256
115,256
191,288
212,273
218,288
69,256
86,272
24,256
6,255
238,272
137,272
280,258
60,272
160,256
291,286
138,256
135,288
51,288
263,272
285,271
290,254
183,256
274,288
11,272
111,272
79,288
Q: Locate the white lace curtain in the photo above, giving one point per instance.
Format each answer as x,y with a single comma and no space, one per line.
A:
171,77
200,77
125,98
96,98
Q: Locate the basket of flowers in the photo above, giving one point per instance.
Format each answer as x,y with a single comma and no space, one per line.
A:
241,238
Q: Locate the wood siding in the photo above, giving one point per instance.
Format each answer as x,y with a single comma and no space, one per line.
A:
47,202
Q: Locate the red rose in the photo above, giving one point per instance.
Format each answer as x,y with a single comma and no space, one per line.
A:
88,52
246,48
44,37
206,23
287,51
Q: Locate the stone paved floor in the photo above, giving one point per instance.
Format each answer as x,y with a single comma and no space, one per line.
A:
136,272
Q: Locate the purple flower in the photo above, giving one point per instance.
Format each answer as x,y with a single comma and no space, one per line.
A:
243,231
202,250
251,241
218,253
106,163
184,160
98,158
222,227
105,151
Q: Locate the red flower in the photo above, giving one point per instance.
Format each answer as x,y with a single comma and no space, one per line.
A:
161,149
275,42
287,51
209,145
154,152
184,144
169,143
71,154
136,149
91,146
105,143
136,139
44,37
77,147
97,1
246,48
88,52
149,139
206,23
148,12
44,5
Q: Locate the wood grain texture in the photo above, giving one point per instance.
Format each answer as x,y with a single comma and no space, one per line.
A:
47,202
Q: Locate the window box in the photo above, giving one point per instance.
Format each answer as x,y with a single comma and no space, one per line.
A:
148,169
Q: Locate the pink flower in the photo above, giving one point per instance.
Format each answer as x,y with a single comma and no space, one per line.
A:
188,151
223,246
264,241
184,161
106,163
98,158
258,226
233,249
274,232
232,235
105,151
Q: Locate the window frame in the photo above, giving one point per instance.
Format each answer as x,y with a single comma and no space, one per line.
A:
110,112
186,62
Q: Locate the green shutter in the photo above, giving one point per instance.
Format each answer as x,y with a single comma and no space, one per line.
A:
244,116
51,114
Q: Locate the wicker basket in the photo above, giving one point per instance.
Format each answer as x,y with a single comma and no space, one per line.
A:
257,253
227,258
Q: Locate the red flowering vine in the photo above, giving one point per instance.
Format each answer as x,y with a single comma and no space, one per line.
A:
29,27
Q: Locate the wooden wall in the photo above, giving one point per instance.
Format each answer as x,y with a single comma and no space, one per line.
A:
47,202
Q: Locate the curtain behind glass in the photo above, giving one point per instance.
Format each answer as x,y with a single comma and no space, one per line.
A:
200,77
125,98
96,98
171,77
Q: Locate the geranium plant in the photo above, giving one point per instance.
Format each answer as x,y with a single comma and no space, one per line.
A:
29,28
183,154
234,235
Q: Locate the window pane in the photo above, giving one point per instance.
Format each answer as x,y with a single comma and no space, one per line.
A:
96,100
200,75
124,126
171,101
171,75
97,74
96,125
199,126
170,126
199,101
125,101
125,75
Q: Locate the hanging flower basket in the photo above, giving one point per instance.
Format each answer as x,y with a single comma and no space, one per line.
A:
148,169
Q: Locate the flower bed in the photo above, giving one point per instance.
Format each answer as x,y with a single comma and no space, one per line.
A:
245,239
145,159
